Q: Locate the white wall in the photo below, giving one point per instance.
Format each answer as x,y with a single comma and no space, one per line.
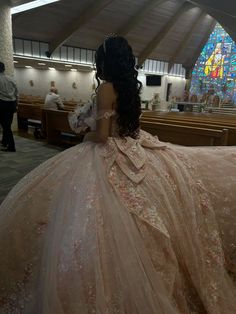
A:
84,81
178,85
63,81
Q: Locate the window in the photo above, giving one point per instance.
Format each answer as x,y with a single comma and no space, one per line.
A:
215,68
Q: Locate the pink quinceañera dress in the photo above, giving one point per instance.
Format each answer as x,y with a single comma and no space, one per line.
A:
131,226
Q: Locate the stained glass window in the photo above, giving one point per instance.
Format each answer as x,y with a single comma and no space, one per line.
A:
215,69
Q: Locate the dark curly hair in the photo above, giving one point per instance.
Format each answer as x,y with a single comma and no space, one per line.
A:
2,67
115,63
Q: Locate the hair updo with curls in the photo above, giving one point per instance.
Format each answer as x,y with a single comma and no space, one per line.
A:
115,63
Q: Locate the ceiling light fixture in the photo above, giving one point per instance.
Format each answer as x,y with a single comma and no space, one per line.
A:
74,70
51,69
41,63
28,66
56,62
15,61
68,65
31,5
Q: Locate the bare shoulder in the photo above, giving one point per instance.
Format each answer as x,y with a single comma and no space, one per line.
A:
107,87
106,95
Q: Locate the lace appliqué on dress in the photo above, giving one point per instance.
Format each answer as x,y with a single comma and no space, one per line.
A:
84,118
130,154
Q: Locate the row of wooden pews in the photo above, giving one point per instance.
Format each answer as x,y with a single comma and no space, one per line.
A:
52,123
191,129
222,110
183,128
57,128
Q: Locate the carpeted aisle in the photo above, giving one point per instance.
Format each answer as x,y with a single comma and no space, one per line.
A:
13,166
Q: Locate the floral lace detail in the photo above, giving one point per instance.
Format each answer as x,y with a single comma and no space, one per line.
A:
130,154
130,226
129,163
206,205
86,117
105,114
82,118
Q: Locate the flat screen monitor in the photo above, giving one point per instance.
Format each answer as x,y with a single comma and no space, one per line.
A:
153,80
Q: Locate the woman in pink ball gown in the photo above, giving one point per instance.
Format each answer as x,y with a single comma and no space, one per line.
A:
121,223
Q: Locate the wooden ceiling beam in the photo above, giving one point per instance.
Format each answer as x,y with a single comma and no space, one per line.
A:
183,44
91,11
153,44
189,64
226,8
226,18
138,17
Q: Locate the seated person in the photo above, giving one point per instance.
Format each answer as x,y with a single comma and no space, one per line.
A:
216,101
194,98
53,100
186,96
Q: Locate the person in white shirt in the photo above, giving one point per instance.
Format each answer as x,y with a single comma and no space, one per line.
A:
8,105
53,100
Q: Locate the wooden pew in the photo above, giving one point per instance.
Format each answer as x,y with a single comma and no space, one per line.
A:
228,111
196,121
69,105
199,124
183,131
191,116
28,111
185,120
55,123
186,135
31,100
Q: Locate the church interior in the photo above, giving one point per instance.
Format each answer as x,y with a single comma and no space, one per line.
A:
185,52
185,59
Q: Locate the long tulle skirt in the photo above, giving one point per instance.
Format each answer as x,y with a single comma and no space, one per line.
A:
130,226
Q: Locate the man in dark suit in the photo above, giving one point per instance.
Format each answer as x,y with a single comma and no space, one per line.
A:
8,104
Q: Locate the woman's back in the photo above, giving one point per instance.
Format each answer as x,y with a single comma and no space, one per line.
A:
126,225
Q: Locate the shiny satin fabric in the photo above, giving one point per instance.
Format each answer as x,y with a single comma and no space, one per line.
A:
130,226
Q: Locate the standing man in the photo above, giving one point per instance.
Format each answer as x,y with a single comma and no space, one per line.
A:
8,104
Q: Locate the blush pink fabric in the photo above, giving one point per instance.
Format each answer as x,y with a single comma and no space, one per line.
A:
130,226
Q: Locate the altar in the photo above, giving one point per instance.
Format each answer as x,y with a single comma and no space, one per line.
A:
186,106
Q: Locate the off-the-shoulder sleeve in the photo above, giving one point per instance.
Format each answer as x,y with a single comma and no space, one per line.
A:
86,116
105,114
80,118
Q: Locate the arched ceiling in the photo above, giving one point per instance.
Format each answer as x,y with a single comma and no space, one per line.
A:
169,30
